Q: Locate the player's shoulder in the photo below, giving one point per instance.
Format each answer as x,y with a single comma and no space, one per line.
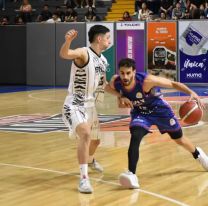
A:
141,75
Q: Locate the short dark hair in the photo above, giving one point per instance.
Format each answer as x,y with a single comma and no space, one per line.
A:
127,62
96,30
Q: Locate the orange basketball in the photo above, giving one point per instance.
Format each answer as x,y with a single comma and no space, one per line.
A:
190,112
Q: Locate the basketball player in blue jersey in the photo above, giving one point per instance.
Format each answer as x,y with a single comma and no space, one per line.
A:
140,92
79,112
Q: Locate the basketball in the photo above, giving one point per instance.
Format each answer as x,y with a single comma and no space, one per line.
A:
190,113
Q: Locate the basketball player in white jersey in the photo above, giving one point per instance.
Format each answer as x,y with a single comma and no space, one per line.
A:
79,112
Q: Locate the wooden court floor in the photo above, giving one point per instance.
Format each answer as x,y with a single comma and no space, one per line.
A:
38,165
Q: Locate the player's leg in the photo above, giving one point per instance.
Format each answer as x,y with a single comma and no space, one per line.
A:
129,179
76,120
93,164
83,131
186,143
95,141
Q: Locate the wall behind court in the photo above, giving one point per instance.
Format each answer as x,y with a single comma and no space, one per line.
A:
13,55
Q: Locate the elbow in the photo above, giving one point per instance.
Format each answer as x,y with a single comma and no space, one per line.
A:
62,55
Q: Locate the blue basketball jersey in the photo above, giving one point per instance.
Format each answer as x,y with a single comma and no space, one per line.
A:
149,108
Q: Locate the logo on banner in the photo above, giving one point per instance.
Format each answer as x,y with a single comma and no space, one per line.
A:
194,76
188,64
130,47
192,37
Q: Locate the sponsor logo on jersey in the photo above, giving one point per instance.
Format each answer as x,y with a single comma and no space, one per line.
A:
139,95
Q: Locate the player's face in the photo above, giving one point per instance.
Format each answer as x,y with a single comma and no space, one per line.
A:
105,40
127,75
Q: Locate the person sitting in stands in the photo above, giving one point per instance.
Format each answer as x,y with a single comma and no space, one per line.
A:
90,15
71,15
45,14
26,10
55,18
126,16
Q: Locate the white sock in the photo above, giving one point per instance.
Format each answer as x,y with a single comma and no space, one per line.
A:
83,170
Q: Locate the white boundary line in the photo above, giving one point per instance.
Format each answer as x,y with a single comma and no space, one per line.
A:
97,180
203,98
44,99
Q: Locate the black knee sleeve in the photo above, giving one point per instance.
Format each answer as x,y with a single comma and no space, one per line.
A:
176,134
137,133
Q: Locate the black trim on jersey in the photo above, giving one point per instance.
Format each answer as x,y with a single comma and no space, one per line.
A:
95,52
84,64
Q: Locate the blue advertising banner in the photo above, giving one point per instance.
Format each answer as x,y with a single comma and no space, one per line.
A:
130,43
193,51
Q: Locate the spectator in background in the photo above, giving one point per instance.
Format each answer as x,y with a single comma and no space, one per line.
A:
71,15
45,14
166,6
153,5
55,18
126,16
177,12
202,11
183,5
144,12
18,20
60,13
4,21
162,16
138,5
2,5
187,14
71,3
206,10
90,15
90,3
25,11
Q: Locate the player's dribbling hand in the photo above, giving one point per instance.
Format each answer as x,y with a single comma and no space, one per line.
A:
195,97
71,34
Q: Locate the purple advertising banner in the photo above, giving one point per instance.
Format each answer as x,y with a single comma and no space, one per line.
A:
193,51
130,43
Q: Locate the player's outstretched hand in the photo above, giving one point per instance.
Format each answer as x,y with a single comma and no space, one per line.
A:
195,97
71,34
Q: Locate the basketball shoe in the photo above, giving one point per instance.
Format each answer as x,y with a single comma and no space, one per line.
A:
85,186
129,180
94,165
203,158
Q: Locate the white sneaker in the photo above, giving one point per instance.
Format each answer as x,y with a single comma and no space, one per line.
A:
202,158
85,186
95,166
129,180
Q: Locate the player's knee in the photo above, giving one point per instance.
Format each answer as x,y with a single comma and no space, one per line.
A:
176,135
138,131
83,132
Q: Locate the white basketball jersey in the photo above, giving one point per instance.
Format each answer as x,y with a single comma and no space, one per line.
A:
84,81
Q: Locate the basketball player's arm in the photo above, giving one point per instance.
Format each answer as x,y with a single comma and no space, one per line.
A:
155,81
79,55
123,102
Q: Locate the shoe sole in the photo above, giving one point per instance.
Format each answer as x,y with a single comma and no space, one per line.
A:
85,192
125,182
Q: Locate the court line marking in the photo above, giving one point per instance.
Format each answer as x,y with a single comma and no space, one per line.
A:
204,99
97,180
44,99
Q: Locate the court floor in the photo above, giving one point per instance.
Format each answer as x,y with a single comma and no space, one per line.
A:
38,164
